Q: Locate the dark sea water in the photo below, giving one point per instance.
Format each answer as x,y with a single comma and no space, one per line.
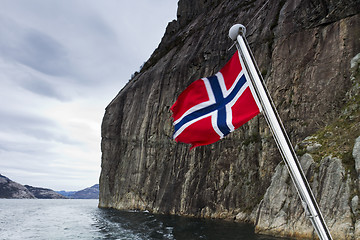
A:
82,219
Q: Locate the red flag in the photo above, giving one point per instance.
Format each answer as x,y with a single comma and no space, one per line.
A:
210,108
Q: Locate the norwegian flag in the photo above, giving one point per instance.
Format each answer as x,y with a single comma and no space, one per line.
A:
210,108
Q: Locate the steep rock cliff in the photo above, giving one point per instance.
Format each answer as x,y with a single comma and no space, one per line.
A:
303,49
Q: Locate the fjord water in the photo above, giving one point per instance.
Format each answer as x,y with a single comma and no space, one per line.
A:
82,219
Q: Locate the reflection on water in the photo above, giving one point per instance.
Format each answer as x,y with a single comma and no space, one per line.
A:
81,219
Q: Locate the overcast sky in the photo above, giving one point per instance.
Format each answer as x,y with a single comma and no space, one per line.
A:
61,63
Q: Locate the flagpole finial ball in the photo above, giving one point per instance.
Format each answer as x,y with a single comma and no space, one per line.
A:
236,30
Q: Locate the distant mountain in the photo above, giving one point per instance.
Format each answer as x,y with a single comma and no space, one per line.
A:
44,193
67,194
11,189
87,193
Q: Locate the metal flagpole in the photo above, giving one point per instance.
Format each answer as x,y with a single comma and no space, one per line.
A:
237,33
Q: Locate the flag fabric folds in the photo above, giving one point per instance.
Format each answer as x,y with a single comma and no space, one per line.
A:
210,108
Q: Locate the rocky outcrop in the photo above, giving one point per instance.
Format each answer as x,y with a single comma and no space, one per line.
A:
44,193
11,189
356,155
330,159
303,49
280,211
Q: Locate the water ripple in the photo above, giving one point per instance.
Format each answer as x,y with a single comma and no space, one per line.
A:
81,219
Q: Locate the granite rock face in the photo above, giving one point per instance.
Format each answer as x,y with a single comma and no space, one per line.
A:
303,49
280,211
330,160
356,155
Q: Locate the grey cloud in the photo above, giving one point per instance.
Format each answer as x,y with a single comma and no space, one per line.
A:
44,54
19,147
37,51
33,126
49,135
33,48
42,87
94,43
15,119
